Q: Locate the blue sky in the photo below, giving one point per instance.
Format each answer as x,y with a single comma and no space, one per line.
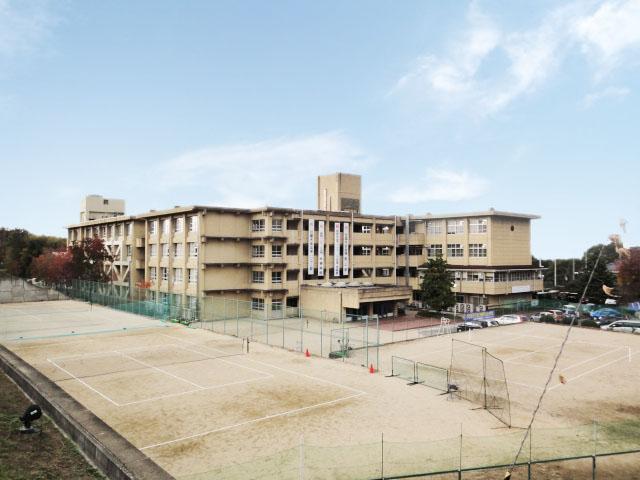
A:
441,106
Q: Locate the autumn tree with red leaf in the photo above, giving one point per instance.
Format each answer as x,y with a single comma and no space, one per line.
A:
629,275
83,260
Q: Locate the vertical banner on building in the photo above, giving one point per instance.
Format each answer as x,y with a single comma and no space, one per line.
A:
337,264
321,248
311,250
345,249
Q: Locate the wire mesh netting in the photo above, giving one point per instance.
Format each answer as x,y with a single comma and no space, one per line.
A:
403,368
479,377
432,376
390,459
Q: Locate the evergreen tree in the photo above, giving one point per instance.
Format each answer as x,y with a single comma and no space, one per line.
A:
435,289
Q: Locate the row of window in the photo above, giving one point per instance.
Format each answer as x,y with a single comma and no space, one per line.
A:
258,277
178,225
476,225
457,250
259,225
177,274
258,304
495,276
178,249
105,231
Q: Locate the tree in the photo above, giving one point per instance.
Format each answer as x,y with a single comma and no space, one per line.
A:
601,276
87,260
629,276
435,289
54,267
18,248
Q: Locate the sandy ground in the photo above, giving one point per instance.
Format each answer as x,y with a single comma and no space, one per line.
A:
196,402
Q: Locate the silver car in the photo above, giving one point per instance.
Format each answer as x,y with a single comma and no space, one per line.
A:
627,326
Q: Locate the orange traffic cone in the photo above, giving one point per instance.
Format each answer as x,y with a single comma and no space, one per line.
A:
307,354
371,369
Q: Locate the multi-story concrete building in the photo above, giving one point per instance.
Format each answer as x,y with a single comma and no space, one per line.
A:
96,206
333,259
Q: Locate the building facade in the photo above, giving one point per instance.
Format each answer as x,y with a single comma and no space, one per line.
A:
327,259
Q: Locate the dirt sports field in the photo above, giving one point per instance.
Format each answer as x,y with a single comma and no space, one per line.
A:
202,407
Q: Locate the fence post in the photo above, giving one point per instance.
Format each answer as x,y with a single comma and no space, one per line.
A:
460,457
595,449
301,463
530,448
321,334
382,456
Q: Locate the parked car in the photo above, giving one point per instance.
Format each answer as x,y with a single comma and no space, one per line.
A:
537,317
509,319
628,326
605,313
469,325
558,315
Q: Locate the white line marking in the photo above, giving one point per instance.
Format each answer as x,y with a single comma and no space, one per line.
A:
255,420
592,370
148,365
83,383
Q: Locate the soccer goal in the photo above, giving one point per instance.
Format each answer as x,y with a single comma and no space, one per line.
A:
479,377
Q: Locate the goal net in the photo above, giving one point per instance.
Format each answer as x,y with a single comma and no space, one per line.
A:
479,377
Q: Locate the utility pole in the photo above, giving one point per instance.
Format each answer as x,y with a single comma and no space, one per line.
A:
555,272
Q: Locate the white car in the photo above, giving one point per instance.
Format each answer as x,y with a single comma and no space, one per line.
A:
628,326
509,319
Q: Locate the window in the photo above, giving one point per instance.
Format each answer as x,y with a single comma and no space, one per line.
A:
455,250
129,229
165,249
193,223
477,250
276,305
179,225
257,277
153,227
455,226
383,272
120,230
178,249
383,251
257,251
192,302
276,225
177,275
193,249
292,249
366,228
478,225
165,273
276,251
257,303
129,249
434,250
105,202
166,226
276,277
500,277
257,225
193,275
415,250
363,250
434,228
153,250
153,274
520,275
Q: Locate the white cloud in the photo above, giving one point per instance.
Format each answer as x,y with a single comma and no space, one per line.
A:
523,60
252,174
442,185
613,93
612,30
23,26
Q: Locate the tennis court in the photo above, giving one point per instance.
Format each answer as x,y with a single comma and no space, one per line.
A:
195,401
596,375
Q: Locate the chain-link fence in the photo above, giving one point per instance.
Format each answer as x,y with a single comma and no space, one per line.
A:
461,456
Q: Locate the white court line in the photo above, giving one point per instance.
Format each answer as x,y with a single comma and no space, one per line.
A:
148,365
279,368
213,387
628,356
223,360
84,383
590,359
255,420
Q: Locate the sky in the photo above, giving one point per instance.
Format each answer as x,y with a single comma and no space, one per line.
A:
442,107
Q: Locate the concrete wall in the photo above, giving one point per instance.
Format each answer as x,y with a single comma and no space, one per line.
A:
17,290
